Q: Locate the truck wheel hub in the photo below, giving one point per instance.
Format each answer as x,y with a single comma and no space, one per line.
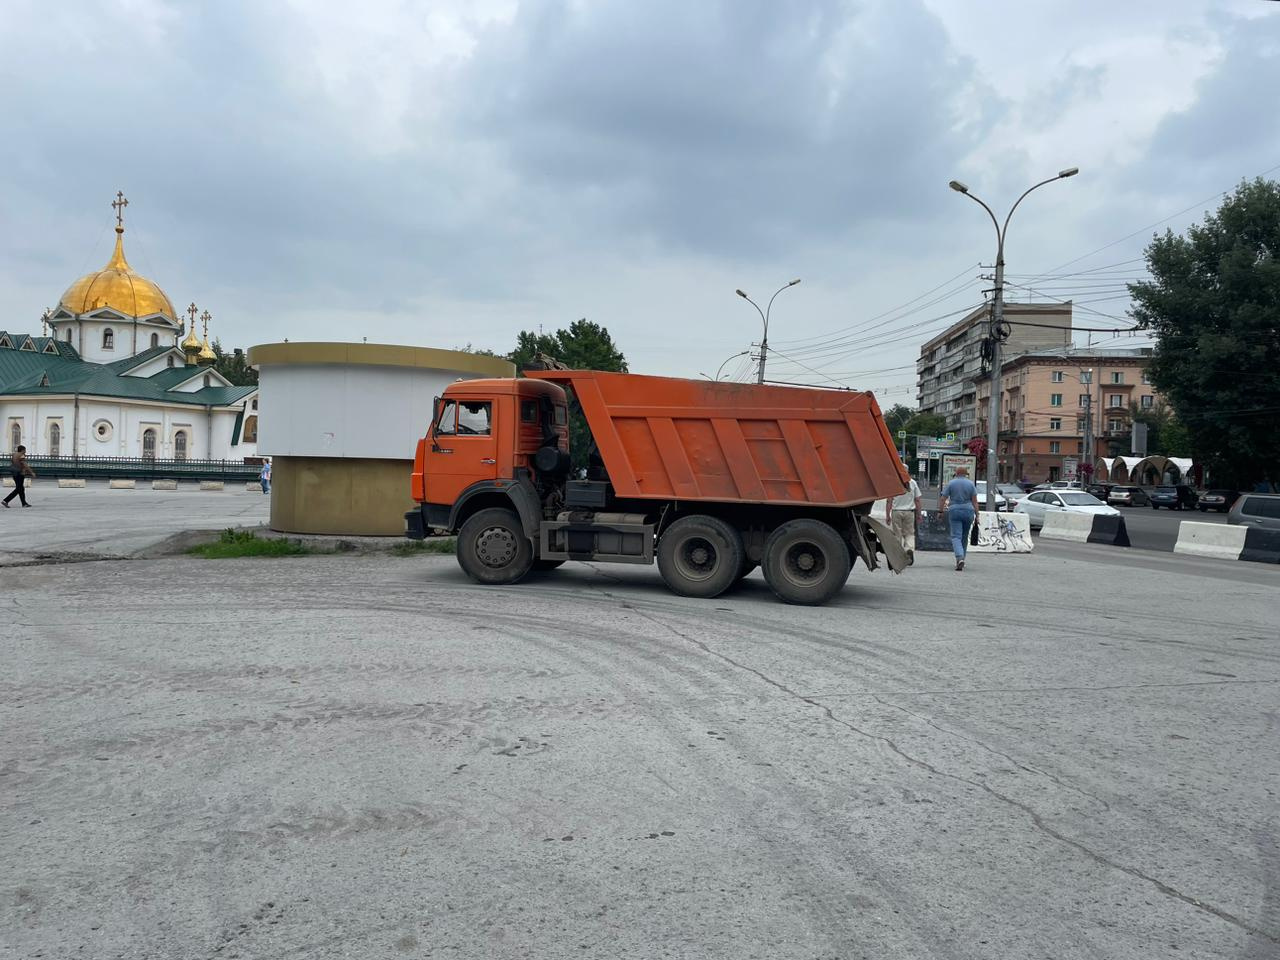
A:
805,563
698,558
496,547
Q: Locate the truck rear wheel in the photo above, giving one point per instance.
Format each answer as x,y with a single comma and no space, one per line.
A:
806,562
492,547
700,556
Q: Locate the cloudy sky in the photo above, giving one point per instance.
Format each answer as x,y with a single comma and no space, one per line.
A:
454,171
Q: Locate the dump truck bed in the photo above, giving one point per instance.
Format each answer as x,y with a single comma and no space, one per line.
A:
663,438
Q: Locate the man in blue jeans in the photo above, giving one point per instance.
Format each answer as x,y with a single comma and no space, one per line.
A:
959,501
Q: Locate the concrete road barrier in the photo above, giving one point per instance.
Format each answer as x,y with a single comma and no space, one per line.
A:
122,484
1085,528
1261,546
1002,533
164,484
210,484
1220,540
72,482
1060,525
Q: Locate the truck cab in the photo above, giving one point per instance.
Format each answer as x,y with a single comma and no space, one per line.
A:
484,438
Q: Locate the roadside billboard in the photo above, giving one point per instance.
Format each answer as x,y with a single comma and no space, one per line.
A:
950,461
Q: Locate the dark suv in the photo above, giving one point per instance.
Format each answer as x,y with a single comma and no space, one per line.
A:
1180,497
1220,500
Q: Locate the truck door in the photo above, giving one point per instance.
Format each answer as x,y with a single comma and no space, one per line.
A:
462,450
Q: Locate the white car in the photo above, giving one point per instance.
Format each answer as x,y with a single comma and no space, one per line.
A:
1042,502
1002,504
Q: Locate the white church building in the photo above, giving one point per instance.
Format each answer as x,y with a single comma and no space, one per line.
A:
115,377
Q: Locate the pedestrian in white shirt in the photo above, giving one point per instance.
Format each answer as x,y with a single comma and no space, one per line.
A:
903,514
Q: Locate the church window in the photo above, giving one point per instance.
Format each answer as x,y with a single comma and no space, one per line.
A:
15,435
155,339
255,403
68,334
180,445
148,444
250,429
44,380
102,430
108,339
208,380
27,345
6,343
171,359
55,440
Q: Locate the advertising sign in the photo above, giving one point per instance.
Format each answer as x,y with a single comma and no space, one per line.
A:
950,461
1070,467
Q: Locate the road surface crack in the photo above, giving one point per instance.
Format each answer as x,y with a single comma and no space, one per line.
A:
1036,820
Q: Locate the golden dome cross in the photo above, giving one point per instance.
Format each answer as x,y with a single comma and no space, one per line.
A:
118,204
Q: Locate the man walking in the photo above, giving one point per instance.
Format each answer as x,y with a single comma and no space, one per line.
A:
264,475
902,513
20,470
959,501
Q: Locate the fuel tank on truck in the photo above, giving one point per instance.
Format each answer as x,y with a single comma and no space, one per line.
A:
664,438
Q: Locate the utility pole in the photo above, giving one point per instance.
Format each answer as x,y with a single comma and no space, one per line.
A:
998,330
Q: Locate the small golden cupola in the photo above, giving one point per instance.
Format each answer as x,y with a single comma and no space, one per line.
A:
116,285
191,345
207,357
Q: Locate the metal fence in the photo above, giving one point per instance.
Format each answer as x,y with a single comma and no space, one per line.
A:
142,468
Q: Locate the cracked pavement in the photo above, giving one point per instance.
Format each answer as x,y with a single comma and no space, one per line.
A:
370,756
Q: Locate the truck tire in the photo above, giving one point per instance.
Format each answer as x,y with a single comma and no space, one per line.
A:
492,547
700,556
806,562
744,571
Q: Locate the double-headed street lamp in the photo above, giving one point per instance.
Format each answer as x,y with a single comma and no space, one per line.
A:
997,331
740,353
764,315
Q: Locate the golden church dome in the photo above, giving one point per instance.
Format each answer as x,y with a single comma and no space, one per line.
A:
118,287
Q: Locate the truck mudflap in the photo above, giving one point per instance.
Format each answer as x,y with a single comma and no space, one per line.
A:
876,537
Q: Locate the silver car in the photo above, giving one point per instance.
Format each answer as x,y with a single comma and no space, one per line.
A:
1256,510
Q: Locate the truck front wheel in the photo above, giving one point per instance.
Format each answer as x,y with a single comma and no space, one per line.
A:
700,556
492,547
806,562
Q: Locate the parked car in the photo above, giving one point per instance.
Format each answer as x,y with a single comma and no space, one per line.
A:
1099,490
1256,510
1027,485
1002,505
1128,497
1220,500
1042,502
1011,492
1180,497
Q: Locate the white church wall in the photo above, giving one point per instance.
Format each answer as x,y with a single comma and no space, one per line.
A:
156,364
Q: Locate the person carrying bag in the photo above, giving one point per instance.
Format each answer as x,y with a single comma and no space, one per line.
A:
20,469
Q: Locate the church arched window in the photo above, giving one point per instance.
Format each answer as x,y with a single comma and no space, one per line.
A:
155,339
148,444
108,339
15,436
208,380
180,445
171,359
251,429
68,334
55,440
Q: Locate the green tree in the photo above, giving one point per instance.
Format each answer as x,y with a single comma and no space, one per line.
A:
234,366
1165,435
923,425
896,418
582,346
1213,302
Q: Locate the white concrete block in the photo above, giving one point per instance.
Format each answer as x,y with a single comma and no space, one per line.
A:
210,484
1003,533
1222,541
164,484
1060,525
122,484
76,483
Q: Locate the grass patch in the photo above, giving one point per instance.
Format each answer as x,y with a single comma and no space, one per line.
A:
411,548
243,543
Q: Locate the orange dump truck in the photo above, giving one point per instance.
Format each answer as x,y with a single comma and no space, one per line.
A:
712,479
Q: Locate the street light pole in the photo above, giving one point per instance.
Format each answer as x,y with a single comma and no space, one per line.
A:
764,316
997,331
740,353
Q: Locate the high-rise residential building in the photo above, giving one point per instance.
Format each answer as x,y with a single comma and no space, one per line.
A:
951,365
1067,404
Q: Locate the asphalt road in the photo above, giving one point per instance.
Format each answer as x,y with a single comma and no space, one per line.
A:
327,757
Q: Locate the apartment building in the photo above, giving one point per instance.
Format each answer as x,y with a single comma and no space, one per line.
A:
1051,400
951,367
